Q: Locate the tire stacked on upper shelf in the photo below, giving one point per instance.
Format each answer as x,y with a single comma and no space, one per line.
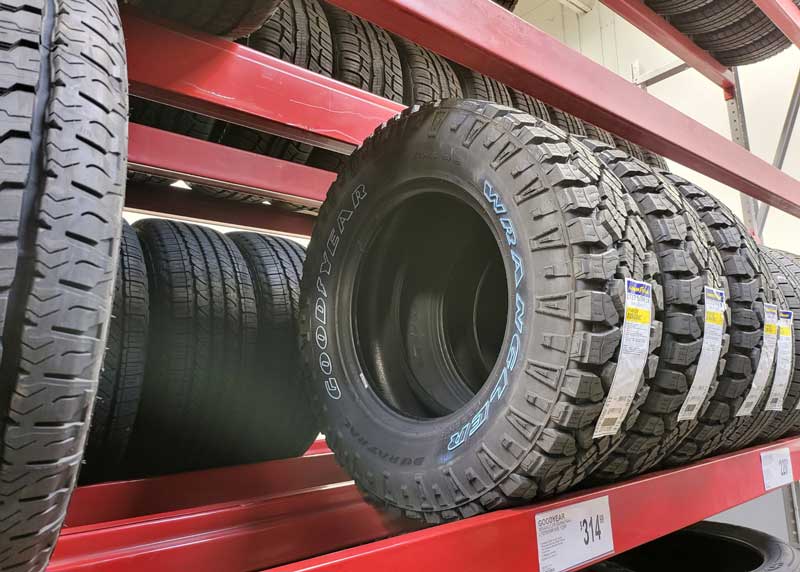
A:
230,19
735,32
428,418
63,149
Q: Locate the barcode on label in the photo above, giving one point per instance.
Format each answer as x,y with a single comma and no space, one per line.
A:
609,422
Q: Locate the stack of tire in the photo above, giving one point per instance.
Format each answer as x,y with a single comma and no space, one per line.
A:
201,368
735,32
496,310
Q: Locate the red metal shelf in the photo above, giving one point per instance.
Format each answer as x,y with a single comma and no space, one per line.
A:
287,516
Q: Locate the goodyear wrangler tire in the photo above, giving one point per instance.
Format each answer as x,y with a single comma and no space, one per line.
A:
63,147
749,290
499,246
688,263
786,273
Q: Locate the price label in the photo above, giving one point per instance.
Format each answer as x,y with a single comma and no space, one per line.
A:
573,535
776,466
765,361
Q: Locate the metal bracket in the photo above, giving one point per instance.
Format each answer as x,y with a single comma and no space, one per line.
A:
645,80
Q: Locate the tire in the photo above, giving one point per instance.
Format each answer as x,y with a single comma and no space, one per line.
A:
628,147
738,34
670,7
714,16
297,33
759,50
286,422
379,410
749,290
786,273
688,262
63,148
598,134
232,19
654,160
122,375
427,76
529,105
478,86
202,346
567,122
364,55
713,546
507,4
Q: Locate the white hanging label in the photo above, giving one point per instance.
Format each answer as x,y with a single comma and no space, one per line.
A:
573,535
764,366
707,364
776,466
633,352
783,363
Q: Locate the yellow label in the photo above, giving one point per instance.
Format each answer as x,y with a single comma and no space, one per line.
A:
786,331
714,318
637,315
770,329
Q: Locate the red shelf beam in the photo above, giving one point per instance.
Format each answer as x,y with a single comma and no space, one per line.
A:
785,14
656,27
287,516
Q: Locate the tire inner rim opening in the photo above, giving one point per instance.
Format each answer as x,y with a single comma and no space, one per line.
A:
431,317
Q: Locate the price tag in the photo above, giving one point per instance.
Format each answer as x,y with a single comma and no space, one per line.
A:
776,465
708,362
633,350
783,364
765,361
573,535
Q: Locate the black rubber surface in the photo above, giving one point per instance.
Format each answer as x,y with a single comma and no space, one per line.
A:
122,375
196,407
628,147
738,34
427,76
507,4
478,86
529,105
598,134
668,7
298,33
712,546
760,49
688,263
713,16
749,289
653,159
543,202
286,426
232,19
786,273
63,119
567,121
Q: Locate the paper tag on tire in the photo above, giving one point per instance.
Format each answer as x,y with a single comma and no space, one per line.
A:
783,362
633,351
776,467
761,377
706,371
573,535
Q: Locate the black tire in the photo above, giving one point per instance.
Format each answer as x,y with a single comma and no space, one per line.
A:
714,16
599,134
713,546
427,76
297,33
749,290
529,105
759,50
567,122
738,34
364,55
231,19
571,219
786,273
628,147
286,424
669,7
688,262
654,160
63,147
507,4
202,346
478,86
122,375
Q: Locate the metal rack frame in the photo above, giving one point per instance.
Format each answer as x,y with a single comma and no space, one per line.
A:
304,514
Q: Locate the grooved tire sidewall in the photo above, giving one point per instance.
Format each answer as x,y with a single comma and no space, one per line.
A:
384,441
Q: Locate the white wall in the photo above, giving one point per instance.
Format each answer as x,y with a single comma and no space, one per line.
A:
766,88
